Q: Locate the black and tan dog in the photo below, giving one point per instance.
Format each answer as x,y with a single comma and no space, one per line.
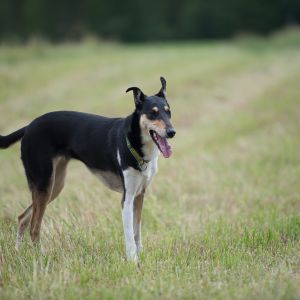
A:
122,152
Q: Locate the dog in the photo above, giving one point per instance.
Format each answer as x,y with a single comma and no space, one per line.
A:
121,152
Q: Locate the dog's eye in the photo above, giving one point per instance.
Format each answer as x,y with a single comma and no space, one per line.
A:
154,112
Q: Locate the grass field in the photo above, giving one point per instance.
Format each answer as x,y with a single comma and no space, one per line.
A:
222,217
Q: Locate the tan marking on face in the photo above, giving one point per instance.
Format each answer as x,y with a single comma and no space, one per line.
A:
144,122
167,108
155,108
157,125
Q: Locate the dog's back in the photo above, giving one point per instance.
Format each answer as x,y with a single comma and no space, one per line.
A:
69,135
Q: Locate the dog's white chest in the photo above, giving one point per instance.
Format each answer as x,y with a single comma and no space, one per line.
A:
150,171
137,181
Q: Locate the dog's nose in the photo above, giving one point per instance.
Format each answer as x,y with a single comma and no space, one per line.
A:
171,132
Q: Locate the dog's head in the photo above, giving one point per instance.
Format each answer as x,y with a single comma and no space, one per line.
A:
155,117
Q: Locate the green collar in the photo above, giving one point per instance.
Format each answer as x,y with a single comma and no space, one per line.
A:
141,162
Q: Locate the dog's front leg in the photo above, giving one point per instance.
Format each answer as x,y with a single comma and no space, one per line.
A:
127,216
133,183
137,216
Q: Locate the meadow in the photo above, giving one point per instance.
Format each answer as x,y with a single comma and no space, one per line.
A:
221,219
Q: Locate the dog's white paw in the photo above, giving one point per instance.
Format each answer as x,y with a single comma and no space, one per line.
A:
132,255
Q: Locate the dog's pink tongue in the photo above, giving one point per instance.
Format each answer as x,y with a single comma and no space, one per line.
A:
164,147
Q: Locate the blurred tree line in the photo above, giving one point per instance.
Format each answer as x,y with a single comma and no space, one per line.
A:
138,20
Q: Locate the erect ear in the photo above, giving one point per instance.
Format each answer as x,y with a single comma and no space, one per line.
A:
138,95
162,92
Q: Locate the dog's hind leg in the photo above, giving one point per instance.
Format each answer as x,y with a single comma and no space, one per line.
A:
59,175
41,188
137,224
40,200
54,188
23,222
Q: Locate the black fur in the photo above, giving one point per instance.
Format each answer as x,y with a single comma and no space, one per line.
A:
6,141
94,140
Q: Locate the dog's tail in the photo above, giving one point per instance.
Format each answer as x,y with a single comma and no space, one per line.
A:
8,140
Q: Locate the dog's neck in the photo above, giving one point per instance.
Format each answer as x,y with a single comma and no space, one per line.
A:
139,138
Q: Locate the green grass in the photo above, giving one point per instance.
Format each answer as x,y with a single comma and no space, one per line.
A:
222,217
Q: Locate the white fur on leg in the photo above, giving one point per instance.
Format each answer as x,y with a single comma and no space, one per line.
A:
127,216
134,183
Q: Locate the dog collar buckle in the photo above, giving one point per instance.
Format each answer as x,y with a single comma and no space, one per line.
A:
143,165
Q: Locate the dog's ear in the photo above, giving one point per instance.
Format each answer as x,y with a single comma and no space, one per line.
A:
162,92
138,95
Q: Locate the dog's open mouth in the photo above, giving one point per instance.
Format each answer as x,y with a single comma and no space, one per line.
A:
161,143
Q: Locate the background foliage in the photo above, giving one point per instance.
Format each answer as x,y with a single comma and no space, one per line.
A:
137,20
